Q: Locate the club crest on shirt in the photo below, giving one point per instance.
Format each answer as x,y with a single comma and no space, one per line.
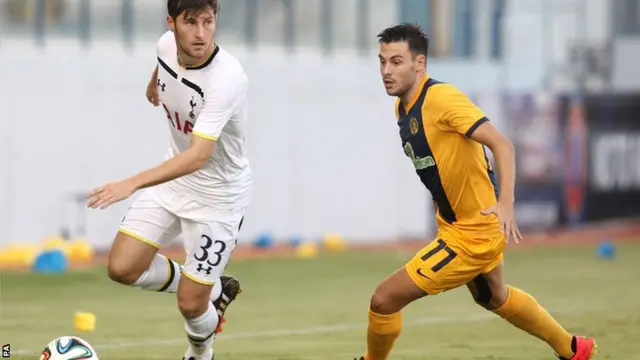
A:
193,104
161,85
413,125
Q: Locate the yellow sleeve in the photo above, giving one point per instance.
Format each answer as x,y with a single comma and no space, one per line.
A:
455,111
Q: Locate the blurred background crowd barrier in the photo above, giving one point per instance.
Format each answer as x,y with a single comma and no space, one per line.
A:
560,77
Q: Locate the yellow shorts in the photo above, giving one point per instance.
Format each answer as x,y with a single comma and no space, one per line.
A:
446,263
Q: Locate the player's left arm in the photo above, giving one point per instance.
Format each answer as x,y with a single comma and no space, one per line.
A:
152,89
462,115
504,153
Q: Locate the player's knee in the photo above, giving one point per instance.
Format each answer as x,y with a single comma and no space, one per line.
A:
121,271
499,297
383,302
193,297
394,293
491,298
192,306
378,303
128,259
482,301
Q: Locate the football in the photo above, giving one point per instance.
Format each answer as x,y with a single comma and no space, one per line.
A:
69,348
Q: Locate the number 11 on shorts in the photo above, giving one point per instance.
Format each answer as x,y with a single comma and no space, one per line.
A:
442,263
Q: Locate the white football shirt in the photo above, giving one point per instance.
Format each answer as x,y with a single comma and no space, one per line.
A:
208,101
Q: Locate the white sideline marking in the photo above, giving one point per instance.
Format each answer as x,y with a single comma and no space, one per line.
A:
482,316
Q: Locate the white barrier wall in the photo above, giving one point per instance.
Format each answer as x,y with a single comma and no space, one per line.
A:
625,75
322,141
322,138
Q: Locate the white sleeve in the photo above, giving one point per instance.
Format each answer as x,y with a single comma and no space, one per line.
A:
222,100
163,42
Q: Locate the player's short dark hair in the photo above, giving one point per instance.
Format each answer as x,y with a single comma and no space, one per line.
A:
411,33
176,7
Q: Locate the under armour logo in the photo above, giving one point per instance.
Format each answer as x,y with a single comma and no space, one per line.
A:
203,269
161,85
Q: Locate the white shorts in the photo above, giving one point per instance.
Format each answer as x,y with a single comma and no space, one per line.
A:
209,234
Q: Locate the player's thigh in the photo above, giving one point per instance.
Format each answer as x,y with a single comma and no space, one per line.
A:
488,288
441,266
395,292
146,228
209,244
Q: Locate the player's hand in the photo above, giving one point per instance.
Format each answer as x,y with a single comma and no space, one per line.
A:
109,194
504,212
152,94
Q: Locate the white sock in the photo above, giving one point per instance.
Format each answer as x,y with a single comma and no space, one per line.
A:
216,291
162,275
201,330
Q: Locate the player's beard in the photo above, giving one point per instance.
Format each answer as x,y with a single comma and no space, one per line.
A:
190,54
404,88
185,51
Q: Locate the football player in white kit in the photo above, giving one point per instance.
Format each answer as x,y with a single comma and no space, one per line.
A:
204,186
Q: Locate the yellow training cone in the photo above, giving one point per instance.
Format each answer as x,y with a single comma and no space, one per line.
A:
334,242
84,321
307,249
80,251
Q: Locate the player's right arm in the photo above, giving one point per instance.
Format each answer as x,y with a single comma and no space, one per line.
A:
163,46
152,89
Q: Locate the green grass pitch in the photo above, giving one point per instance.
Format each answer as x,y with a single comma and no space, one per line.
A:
317,309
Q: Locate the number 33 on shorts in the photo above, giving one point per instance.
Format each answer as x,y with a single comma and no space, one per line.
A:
206,262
